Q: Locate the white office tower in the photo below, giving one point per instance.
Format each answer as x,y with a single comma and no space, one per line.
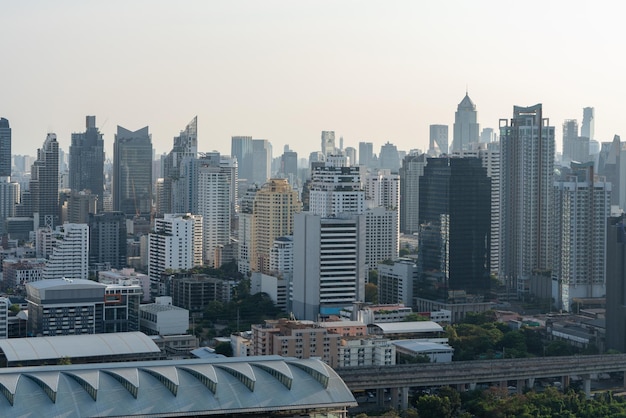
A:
175,244
70,253
489,155
336,188
214,205
527,188
383,189
381,236
328,143
582,204
329,264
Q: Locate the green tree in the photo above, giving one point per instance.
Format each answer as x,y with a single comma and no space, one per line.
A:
224,348
433,406
371,293
372,276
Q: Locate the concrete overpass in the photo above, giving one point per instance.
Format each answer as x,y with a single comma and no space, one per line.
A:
524,371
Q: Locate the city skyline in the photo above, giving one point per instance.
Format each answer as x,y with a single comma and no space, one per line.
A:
284,72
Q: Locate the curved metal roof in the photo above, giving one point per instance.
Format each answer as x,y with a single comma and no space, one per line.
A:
173,388
44,348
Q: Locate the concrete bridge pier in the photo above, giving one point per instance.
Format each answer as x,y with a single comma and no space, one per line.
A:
520,386
564,382
531,382
587,386
404,399
380,397
461,387
395,399
472,386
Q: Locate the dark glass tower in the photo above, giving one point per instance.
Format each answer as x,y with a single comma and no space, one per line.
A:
455,225
5,148
87,161
132,172
44,183
107,240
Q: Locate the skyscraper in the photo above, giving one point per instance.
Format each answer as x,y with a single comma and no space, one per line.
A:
86,166
455,225
44,184
616,284
132,172
177,177
107,241
336,188
241,148
261,160
438,140
465,125
366,153
70,253
389,158
588,126
5,148
582,205
410,172
527,187
214,205
329,264
328,143
570,134
275,205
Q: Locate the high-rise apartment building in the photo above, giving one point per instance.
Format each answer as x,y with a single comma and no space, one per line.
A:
466,126
381,236
44,184
328,146
336,188
410,172
214,205
582,204
396,281
527,145
570,134
275,205
350,152
69,257
175,244
383,189
86,168
438,140
5,148
132,172
455,223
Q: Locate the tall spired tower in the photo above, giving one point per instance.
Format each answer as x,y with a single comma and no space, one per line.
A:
465,125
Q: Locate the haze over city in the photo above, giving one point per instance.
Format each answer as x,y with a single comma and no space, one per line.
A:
284,71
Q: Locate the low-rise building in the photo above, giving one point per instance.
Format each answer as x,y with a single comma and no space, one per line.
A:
163,318
114,276
366,352
372,314
435,352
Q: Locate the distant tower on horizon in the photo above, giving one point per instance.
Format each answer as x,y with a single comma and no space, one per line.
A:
588,126
328,143
438,140
132,172
87,162
5,148
366,154
466,126
527,188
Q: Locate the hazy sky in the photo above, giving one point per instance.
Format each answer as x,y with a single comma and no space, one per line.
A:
285,70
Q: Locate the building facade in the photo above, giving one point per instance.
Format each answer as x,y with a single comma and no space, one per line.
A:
466,126
86,166
527,145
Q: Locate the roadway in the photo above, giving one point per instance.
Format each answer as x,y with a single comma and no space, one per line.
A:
402,377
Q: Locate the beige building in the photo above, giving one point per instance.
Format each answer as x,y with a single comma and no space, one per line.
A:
300,339
274,207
